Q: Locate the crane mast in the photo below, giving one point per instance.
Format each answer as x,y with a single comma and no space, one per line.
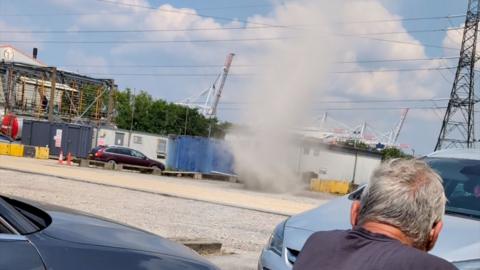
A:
223,79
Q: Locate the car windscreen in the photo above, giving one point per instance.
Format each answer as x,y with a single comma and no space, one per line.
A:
461,180
15,218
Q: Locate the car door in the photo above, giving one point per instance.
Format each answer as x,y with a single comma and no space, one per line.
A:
16,252
125,156
139,158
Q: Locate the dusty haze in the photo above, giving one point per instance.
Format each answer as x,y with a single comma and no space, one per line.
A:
281,96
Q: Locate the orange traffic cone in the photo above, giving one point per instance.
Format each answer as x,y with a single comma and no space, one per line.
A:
60,157
69,159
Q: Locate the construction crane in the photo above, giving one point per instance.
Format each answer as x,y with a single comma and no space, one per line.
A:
212,95
396,132
458,129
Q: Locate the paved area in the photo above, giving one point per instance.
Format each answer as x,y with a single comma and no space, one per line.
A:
175,208
164,185
243,232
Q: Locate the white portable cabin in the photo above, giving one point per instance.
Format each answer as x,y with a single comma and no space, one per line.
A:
152,145
338,162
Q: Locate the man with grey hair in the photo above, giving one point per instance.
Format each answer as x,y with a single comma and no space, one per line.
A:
395,223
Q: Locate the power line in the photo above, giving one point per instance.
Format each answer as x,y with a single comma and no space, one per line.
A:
154,66
246,21
145,41
166,74
399,42
52,14
355,101
253,74
236,7
109,13
286,27
413,31
102,31
360,61
384,108
397,60
212,41
447,17
358,109
393,70
166,10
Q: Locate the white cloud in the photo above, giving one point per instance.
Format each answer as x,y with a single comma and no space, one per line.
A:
302,58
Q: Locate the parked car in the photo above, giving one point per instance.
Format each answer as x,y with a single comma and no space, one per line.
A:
41,237
123,155
458,243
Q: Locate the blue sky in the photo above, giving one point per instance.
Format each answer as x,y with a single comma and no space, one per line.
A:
109,60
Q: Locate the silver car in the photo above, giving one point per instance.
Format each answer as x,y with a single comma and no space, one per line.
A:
458,243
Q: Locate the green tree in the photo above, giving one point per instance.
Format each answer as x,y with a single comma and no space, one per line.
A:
357,144
160,117
393,152
123,108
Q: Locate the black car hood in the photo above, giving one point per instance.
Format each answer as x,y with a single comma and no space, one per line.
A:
88,230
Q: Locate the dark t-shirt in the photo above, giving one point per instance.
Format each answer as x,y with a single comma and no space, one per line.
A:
360,249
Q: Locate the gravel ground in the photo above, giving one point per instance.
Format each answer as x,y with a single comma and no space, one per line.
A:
242,232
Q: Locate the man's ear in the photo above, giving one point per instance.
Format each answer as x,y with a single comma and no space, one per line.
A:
433,236
354,213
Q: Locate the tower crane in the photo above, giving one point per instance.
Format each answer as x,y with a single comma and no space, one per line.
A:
212,95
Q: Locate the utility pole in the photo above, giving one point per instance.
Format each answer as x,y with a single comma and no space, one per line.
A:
51,102
111,101
132,107
458,129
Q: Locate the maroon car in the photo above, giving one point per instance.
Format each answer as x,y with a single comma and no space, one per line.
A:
123,155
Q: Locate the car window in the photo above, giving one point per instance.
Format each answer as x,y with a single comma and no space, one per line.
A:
111,150
461,180
124,151
137,154
14,218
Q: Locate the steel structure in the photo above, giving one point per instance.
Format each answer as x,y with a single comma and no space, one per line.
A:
47,93
332,130
458,129
212,95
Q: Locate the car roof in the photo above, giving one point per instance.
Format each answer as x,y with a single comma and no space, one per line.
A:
457,153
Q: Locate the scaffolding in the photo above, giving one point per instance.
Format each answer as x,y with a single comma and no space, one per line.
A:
47,93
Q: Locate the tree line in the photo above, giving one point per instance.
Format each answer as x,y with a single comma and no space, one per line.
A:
142,112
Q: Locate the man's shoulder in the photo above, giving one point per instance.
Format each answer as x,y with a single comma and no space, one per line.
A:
418,259
324,239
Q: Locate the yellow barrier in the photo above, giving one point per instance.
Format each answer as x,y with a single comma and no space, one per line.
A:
4,149
16,150
42,152
330,186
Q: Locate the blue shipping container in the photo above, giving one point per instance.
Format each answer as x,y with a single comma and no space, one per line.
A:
198,154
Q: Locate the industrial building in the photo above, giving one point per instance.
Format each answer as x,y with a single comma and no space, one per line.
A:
30,89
